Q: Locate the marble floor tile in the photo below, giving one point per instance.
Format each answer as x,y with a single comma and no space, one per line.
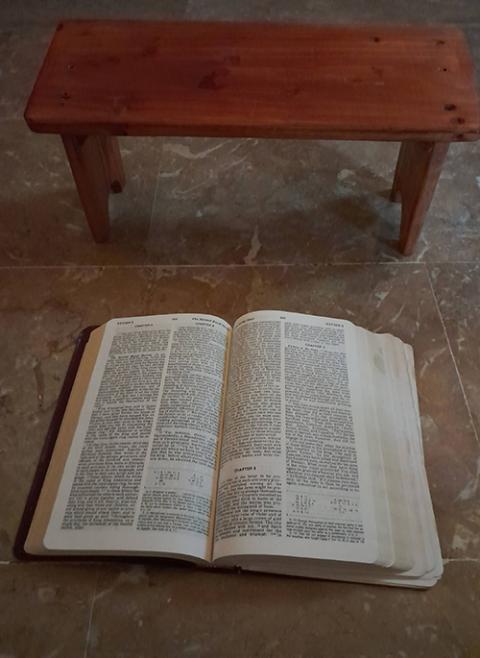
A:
330,11
42,220
452,230
473,38
270,201
43,309
457,288
273,201
52,11
45,609
160,610
211,201
22,50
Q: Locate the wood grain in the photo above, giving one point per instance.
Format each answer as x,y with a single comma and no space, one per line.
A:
260,80
113,158
418,169
90,171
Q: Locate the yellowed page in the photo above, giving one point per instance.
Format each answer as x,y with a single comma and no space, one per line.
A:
140,475
38,527
295,476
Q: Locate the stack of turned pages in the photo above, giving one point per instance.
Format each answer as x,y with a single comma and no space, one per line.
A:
286,443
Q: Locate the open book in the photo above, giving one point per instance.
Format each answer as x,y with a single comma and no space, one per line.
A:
288,444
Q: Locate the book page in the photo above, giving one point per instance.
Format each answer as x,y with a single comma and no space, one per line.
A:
295,476
403,510
56,466
141,472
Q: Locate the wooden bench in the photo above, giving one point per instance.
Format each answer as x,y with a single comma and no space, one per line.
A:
106,78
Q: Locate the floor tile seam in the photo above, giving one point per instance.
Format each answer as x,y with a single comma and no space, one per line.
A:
154,199
90,615
53,22
449,345
109,266
53,560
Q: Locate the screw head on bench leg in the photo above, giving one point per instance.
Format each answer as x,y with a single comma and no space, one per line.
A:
116,186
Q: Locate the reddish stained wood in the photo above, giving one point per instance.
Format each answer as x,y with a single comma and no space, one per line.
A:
90,171
113,159
395,194
262,80
418,169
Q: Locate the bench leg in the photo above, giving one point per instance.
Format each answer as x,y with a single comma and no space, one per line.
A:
418,169
116,174
94,164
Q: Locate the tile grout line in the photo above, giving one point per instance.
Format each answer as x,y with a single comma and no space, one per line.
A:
462,388
232,265
52,23
90,616
154,200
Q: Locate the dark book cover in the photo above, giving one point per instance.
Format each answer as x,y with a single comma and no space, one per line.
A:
48,446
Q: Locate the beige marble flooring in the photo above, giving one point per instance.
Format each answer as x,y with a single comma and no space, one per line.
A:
227,226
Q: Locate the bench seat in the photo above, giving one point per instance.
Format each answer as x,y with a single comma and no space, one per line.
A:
100,79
